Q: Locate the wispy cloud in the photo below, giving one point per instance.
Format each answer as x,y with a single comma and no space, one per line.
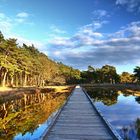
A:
22,15
8,24
121,47
56,30
132,5
94,25
5,23
85,36
98,14
39,45
61,41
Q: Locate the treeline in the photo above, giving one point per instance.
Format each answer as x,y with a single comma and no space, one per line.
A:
108,74
26,66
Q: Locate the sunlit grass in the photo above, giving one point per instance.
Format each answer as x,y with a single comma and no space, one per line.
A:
60,88
134,92
5,88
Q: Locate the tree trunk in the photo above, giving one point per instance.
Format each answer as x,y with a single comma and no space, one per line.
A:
25,80
16,82
0,68
20,79
4,78
12,81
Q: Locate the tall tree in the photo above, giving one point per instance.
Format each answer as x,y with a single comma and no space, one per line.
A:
126,77
26,66
109,73
137,73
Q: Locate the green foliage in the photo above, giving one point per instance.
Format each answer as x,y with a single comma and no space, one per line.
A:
107,74
106,96
127,77
137,73
26,66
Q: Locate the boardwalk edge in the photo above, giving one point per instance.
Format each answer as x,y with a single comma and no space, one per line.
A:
57,113
113,131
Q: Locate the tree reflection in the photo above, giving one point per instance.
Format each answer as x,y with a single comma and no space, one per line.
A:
106,96
138,99
109,96
131,132
25,114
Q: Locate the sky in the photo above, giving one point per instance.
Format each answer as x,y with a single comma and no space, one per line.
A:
77,32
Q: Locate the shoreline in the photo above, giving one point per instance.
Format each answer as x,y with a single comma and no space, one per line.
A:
106,85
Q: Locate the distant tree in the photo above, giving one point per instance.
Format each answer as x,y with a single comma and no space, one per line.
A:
89,75
126,77
137,73
91,69
109,74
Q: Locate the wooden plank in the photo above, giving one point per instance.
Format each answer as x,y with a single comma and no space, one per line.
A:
80,125
79,121
77,137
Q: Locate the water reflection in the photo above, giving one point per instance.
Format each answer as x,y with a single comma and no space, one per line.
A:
107,97
131,131
121,108
25,115
138,99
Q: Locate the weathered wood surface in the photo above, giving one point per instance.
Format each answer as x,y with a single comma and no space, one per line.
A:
79,121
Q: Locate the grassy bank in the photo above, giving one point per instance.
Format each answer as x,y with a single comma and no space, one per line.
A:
7,94
130,89
118,86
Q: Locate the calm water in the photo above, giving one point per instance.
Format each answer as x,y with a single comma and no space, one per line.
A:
121,109
28,115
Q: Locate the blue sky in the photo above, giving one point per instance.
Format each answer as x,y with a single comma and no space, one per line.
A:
77,32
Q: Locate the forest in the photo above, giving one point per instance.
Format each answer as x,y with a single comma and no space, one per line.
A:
27,66
108,74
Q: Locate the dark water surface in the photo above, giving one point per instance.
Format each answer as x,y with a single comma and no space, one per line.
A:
27,116
121,108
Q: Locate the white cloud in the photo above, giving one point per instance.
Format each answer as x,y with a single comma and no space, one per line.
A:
85,36
2,16
61,41
20,20
90,32
5,24
57,30
8,24
39,45
22,15
121,1
97,14
132,5
94,25
119,48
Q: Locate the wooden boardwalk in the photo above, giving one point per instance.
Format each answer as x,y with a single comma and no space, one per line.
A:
79,120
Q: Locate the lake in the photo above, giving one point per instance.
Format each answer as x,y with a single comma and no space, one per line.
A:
28,115
121,108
